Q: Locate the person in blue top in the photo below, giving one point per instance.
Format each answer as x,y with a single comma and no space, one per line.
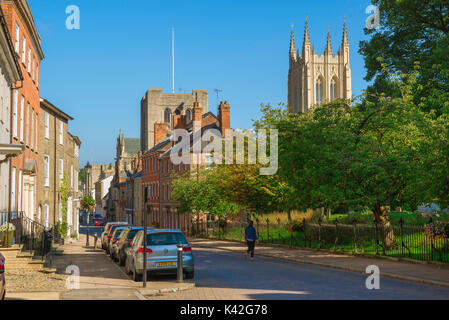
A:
250,238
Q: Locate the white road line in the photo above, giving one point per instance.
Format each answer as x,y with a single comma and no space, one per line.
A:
138,295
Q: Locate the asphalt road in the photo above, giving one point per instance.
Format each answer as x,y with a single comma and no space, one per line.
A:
226,275
223,275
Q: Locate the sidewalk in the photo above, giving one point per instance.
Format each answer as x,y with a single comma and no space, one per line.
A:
417,272
100,278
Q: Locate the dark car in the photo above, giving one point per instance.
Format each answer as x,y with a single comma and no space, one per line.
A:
110,232
123,243
2,278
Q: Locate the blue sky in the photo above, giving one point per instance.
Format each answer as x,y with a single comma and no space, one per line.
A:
99,74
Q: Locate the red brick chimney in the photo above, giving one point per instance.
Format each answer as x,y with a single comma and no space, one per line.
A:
160,132
224,117
197,116
179,121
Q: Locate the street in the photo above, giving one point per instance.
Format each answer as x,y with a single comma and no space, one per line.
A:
224,275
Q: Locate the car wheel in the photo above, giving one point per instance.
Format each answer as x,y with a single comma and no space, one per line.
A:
190,275
121,262
126,267
136,277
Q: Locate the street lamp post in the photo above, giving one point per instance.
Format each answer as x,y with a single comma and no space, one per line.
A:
145,246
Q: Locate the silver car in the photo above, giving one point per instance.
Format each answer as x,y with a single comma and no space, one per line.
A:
162,253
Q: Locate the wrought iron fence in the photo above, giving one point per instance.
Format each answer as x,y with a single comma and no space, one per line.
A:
32,235
401,241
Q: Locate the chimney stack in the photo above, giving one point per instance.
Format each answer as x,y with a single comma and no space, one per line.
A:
197,116
224,117
160,132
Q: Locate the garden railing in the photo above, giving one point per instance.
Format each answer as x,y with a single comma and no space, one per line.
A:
399,240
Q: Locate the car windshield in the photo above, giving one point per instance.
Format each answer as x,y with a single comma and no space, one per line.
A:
165,238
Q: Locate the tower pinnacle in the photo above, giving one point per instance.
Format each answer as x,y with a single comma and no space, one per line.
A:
292,45
345,41
328,49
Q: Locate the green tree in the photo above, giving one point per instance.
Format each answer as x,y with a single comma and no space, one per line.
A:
372,155
410,32
62,225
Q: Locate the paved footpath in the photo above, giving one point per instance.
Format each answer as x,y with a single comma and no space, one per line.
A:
100,278
417,272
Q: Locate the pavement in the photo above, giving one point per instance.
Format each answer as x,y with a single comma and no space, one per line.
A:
99,278
416,272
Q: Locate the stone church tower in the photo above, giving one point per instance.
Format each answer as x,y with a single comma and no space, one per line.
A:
316,79
158,108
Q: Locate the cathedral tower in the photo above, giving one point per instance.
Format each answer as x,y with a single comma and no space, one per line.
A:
316,79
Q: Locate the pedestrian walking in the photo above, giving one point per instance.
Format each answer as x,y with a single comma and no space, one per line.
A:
250,238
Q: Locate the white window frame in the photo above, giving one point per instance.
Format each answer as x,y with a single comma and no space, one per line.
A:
29,60
17,40
16,101
47,125
46,170
22,107
61,170
61,132
13,190
24,49
19,192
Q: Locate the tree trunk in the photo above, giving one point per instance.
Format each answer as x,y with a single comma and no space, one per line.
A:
385,228
289,216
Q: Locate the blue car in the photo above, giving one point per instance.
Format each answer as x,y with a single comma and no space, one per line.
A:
162,254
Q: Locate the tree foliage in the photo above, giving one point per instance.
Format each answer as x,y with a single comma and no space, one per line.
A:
410,32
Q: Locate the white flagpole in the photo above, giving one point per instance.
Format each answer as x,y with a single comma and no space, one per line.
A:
173,60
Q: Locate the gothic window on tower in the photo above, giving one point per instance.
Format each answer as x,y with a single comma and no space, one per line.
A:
167,116
188,115
333,90
319,91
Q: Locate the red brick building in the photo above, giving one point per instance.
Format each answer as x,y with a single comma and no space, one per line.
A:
25,106
158,169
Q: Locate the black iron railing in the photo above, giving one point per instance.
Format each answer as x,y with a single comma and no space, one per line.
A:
414,242
33,236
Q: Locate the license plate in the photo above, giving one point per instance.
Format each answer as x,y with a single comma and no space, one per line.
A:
166,264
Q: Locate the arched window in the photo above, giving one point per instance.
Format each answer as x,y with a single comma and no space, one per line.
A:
319,91
167,116
189,115
333,89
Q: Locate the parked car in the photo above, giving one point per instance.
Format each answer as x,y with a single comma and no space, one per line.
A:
162,253
122,245
98,221
111,232
2,278
104,235
114,238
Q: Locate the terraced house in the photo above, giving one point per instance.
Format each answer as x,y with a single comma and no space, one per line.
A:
10,73
59,154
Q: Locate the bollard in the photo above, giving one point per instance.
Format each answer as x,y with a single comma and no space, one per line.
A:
180,268
95,241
